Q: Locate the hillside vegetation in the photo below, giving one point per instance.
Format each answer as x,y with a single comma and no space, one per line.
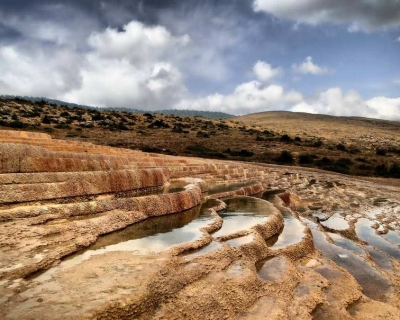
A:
355,146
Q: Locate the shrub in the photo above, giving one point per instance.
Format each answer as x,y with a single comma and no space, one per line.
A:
381,152
159,124
285,157
202,134
381,170
241,153
46,119
62,126
306,158
394,170
341,147
317,144
286,138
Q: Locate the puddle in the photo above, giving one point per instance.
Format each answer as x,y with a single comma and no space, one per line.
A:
271,269
175,186
213,246
346,243
393,237
328,272
235,270
293,232
146,237
381,259
367,234
226,187
301,290
269,195
241,214
335,223
374,285
237,242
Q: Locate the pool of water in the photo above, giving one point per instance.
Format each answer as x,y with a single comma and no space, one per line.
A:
240,241
374,284
175,186
146,237
346,244
335,223
226,187
393,237
243,213
367,234
292,232
271,269
269,195
211,247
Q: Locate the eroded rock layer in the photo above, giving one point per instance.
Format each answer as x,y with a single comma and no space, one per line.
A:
94,232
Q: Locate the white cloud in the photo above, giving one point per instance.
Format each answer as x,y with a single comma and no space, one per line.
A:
253,96
359,15
384,108
27,71
334,102
309,67
264,71
248,97
136,42
131,68
398,39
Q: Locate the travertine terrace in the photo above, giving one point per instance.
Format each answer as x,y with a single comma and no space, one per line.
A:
94,232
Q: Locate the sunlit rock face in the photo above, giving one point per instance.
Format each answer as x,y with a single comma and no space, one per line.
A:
96,232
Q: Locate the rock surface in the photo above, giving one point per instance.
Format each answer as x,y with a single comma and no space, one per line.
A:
94,232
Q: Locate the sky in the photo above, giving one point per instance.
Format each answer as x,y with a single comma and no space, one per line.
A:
335,57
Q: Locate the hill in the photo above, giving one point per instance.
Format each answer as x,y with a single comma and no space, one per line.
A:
324,126
177,112
354,146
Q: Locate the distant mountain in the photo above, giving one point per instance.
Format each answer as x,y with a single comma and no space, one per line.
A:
177,112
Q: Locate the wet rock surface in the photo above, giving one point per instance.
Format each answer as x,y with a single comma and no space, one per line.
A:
94,232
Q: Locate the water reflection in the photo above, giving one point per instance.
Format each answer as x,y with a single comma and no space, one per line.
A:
146,237
226,187
367,234
243,213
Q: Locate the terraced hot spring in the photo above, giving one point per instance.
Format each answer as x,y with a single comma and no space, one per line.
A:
373,283
175,186
146,237
243,213
269,195
292,232
226,187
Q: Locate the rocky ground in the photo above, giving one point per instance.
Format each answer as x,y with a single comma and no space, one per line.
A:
356,146
95,232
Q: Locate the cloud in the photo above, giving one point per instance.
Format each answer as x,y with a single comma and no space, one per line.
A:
264,71
131,68
27,71
246,98
398,39
359,15
309,67
384,108
135,42
334,102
